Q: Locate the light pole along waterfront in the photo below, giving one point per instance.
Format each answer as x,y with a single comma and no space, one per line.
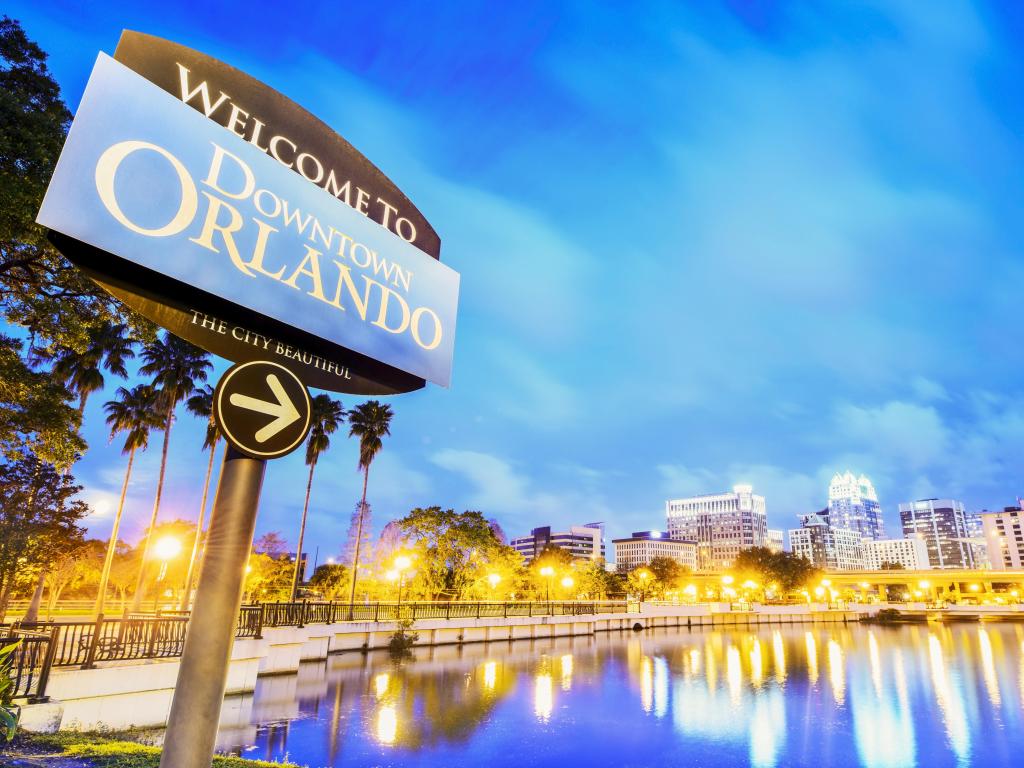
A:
277,325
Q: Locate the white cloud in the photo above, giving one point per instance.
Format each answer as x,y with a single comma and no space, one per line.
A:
912,435
499,489
928,391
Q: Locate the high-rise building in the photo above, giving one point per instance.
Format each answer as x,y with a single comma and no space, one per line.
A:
721,524
909,554
1004,536
853,504
775,539
942,525
643,546
976,539
583,542
825,546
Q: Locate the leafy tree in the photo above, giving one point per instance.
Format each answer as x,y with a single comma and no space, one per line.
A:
272,544
39,516
134,414
371,423
122,573
888,565
327,414
640,582
595,582
790,572
34,412
39,288
330,579
667,574
201,404
451,550
177,368
268,578
76,566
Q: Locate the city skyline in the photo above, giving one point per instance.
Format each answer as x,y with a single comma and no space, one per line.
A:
831,363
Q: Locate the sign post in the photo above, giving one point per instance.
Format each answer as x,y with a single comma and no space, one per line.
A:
224,212
199,692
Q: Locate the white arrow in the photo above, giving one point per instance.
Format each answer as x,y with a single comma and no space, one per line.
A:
283,411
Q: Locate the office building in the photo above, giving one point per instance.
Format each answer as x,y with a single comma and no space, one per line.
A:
826,547
942,525
853,504
909,554
976,539
1004,537
583,542
643,546
775,539
721,524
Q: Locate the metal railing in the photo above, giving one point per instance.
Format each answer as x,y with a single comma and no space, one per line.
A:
83,643
30,662
300,614
151,636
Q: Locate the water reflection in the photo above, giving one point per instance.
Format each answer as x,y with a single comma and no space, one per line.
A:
543,698
823,695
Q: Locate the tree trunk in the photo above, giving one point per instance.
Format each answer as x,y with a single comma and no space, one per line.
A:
137,597
108,561
359,537
32,614
5,597
186,596
302,534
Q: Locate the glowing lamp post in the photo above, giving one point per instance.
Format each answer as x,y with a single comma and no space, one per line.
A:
402,564
165,549
644,577
567,583
548,573
493,579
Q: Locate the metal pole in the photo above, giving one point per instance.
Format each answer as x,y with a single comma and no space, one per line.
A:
202,677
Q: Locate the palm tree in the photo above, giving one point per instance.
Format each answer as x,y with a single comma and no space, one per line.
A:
327,414
370,422
201,405
109,347
176,367
134,414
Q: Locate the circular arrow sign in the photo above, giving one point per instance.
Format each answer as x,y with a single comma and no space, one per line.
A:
262,408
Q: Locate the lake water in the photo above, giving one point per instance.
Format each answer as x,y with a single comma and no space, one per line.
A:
790,695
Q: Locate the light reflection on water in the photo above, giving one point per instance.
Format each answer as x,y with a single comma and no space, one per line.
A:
790,695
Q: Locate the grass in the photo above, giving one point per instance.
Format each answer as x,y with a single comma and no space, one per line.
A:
113,750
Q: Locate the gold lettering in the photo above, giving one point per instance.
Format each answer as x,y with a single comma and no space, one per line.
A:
312,258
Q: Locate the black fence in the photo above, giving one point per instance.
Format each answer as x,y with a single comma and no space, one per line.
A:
30,662
300,614
83,644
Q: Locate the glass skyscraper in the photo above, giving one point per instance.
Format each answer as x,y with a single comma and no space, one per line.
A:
853,504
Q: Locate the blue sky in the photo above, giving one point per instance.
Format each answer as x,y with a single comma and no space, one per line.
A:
700,244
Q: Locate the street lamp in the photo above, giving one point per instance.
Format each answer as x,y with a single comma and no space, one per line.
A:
493,580
165,549
567,582
402,564
548,572
644,576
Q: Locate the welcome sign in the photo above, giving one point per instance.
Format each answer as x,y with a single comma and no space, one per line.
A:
157,184
278,126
